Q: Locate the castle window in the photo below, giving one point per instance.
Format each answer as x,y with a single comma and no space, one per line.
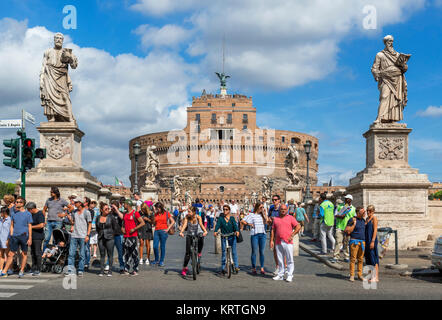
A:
245,118
213,120
233,104
283,139
209,104
197,117
244,127
229,118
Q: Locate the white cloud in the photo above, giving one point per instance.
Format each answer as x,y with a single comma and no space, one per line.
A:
276,44
161,7
115,98
166,36
431,111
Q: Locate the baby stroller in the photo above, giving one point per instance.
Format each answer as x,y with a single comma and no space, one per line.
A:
57,262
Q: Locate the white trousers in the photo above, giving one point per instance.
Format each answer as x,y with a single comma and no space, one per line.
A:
326,232
285,250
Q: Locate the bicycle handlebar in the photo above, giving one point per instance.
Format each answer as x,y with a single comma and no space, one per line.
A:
227,235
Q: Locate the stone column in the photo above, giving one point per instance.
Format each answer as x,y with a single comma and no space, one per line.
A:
62,166
296,245
218,243
398,192
292,192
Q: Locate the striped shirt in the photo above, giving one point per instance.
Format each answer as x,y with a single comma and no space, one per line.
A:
257,221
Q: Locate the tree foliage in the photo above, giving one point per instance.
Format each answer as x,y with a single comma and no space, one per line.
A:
436,195
6,188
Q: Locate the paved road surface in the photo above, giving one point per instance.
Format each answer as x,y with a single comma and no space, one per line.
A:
312,280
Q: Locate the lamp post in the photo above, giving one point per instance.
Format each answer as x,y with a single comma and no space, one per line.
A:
307,149
136,149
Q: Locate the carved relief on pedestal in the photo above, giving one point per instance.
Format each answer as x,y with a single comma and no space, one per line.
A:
391,148
58,147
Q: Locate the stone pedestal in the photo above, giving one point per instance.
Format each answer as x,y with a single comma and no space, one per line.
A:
104,195
149,192
293,192
398,192
62,166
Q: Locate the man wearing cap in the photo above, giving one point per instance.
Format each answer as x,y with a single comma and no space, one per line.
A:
80,233
326,213
343,215
20,235
38,224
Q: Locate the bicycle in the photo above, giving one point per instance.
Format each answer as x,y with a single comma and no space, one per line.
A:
229,258
196,266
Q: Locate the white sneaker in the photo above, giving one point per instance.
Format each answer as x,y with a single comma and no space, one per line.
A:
278,278
146,262
275,273
289,279
106,268
141,261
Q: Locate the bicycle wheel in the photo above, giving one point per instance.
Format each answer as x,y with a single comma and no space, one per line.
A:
198,265
194,264
228,264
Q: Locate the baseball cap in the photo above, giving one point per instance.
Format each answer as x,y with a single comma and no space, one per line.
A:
77,199
31,205
129,202
349,196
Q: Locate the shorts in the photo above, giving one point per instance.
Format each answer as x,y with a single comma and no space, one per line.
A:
3,243
94,239
19,241
145,233
301,222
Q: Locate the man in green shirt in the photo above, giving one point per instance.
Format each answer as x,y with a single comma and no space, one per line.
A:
326,213
343,214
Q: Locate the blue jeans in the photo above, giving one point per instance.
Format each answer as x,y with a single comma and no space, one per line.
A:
118,243
209,223
160,237
87,253
76,243
258,240
50,226
232,243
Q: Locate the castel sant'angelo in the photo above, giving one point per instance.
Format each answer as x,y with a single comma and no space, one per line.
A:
222,153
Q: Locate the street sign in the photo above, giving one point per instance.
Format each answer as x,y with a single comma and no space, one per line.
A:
28,117
10,124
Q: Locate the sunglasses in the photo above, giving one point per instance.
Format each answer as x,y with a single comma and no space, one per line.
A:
105,209
275,199
19,202
226,209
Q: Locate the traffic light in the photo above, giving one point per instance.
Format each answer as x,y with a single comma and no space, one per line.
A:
12,153
40,153
28,157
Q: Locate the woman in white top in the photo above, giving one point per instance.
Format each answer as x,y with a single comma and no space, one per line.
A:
257,220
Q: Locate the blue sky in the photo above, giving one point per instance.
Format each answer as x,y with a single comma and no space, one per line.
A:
306,64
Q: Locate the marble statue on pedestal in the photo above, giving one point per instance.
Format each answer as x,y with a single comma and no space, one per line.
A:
55,83
388,70
291,162
152,165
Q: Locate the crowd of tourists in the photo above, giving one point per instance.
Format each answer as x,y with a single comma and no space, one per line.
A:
72,232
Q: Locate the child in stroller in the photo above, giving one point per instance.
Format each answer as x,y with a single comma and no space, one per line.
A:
56,256
51,251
